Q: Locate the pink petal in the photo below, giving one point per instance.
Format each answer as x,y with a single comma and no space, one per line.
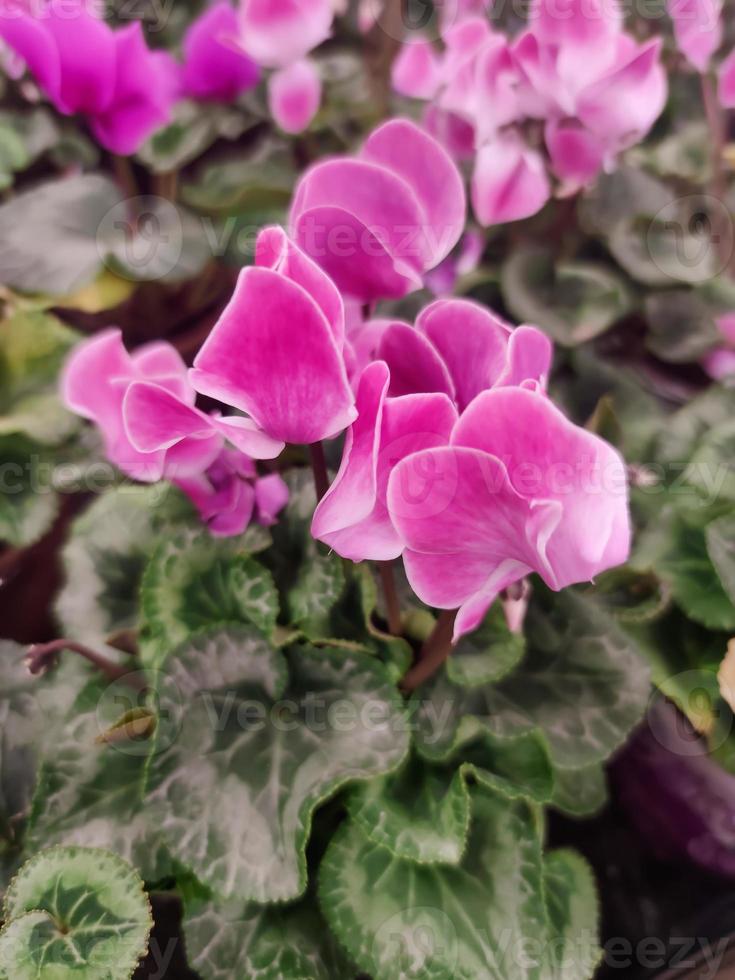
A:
411,153
726,89
550,459
720,363
160,362
34,45
472,342
271,496
291,381
415,365
245,435
509,181
697,28
86,51
275,250
580,23
417,70
86,379
278,32
455,134
213,69
361,265
530,353
577,155
156,419
294,95
623,105
339,517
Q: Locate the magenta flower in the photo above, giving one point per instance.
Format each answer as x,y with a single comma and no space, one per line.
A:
94,383
726,87
458,348
377,221
83,66
697,29
229,494
276,352
518,489
294,95
276,33
509,181
465,259
214,68
352,518
720,362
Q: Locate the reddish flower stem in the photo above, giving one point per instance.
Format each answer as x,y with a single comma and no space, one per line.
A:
41,655
433,653
319,468
390,594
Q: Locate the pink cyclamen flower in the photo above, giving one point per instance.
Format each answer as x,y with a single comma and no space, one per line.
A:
519,489
378,220
697,29
214,69
276,351
458,348
229,494
509,181
275,33
352,518
726,88
720,362
83,66
465,259
294,95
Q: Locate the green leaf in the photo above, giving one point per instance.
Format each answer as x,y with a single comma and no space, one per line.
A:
262,179
488,654
49,234
580,792
106,555
572,301
582,683
319,585
399,919
712,466
720,538
28,505
421,813
681,326
247,762
283,943
90,917
573,908
688,570
686,428
195,127
195,580
516,767
620,195
91,793
33,346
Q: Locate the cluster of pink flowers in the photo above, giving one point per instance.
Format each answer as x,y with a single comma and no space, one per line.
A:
562,99
126,91
454,456
143,405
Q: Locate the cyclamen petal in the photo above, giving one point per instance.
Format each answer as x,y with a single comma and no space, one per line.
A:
275,33
294,95
271,496
377,221
583,23
577,155
214,70
273,355
698,29
352,517
509,181
416,72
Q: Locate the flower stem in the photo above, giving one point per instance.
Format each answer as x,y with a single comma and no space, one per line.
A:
166,185
40,656
433,653
319,468
125,176
390,594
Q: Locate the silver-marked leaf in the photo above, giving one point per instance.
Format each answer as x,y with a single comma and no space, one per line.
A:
421,813
91,917
580,792
681,326
195,580
49,234
28,505
516,767
400,920
582,683
573,908
687,567
90,793
319,585
720,537
236,785
488,654
261,943
106,554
